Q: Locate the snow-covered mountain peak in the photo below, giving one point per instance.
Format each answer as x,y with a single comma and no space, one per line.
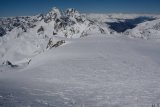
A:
57,11
53,14
71,12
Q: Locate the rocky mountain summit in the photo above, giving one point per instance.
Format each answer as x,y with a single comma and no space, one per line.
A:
69,23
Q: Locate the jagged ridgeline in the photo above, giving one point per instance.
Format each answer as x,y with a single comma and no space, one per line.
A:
68,23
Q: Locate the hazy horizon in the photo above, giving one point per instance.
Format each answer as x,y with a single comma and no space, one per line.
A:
9,8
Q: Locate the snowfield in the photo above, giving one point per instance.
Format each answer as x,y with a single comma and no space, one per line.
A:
97,71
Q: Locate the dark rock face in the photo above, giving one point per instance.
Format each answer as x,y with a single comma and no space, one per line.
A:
2,32
41,29
23,28
16,24
10,64
54,33
59,43
157,26
54,45
102,30
128,24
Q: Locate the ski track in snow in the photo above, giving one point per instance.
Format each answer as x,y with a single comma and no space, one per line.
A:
88,72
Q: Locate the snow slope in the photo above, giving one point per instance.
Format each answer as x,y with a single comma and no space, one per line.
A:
146,30
95,71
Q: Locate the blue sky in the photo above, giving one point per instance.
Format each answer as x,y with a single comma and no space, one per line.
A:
33,7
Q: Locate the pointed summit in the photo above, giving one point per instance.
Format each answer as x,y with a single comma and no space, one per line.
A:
71,12
56,11
54,14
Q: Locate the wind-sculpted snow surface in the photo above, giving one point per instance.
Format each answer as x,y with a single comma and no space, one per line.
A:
87,72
